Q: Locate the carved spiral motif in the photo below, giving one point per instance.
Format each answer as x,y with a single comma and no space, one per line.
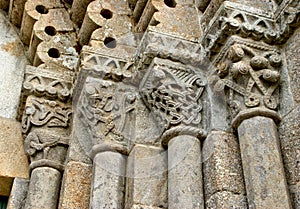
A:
259,62
271,75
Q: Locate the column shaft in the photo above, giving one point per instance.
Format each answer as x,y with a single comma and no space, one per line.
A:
108,184
185,188
43,188
262,163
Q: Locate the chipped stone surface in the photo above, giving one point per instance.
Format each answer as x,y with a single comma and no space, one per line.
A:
76,186
18,194
11,73
13,161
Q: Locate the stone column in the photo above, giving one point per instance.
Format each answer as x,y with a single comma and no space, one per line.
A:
251,82
262,163
105,110
46,143
173,92
43,188
185,187
108,184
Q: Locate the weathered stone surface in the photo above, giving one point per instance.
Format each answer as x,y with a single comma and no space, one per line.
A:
112,18
108,184
225,200
18,194
76,186
293,55
222,168
265,181
43,189
11,73
16,8
289,135
147,177
13,161
139,206
33,11
185,173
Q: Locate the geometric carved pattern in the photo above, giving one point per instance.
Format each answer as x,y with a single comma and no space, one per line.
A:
251,77
173,92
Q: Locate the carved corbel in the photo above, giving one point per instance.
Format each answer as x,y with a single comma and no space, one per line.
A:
174,93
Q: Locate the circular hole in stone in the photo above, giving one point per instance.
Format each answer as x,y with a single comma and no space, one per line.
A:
54,53
107,14
51,31
110,42
41,9
170,3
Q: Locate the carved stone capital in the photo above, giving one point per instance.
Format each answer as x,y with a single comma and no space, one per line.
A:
249,22
46,128
173,92
106,109
250,74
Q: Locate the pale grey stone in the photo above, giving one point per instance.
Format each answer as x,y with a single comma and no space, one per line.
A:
185,173
108,183
18,194
262,164
43,189
147,177
12,69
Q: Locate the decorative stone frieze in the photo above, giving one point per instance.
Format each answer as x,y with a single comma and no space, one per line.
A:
44,82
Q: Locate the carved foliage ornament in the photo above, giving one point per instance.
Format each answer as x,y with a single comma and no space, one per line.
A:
173,93
105,108
251,77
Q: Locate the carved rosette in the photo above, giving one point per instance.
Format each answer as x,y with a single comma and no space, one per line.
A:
45,125
106,108
173,92
250,75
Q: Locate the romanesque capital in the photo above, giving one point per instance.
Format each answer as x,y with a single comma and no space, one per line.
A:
45,125
250,73
174,93
106,108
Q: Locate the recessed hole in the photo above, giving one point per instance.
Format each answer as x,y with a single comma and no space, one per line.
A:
110,42
41,9
51,31
107,14
54,53
170,3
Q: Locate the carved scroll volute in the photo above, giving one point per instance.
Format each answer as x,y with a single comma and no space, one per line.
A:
106,108
251,78
173,92
45,125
